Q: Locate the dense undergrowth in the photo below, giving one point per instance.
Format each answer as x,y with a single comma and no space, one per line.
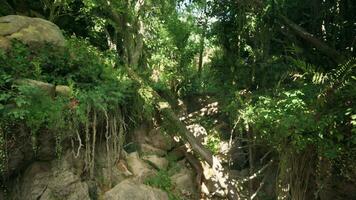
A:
97,87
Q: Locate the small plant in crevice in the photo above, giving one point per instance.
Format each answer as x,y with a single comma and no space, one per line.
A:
162,181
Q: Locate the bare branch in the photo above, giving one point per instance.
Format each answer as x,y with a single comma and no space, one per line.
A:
258,173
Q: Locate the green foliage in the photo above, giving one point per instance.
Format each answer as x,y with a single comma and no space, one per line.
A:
281,118
162,180
213,142
309,116
90,73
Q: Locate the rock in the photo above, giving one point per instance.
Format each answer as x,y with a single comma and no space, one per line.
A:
211,187
138,167
158,162
35,181
147,149
105,175
16,160
66,185
184,183
4,43
130,189
41,181
46,146
31,31
140,133
160,140
122,167
63,90
20,155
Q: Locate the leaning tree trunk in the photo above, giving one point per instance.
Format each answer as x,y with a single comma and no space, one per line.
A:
170,117
320,45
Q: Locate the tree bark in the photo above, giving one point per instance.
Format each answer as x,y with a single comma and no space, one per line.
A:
130,28
321,46
202,42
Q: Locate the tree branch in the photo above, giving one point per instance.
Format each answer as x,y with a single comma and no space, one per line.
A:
320,45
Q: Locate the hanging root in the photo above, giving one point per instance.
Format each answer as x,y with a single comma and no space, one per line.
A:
108,150
79,145
112,127
87,141
120,136
92,162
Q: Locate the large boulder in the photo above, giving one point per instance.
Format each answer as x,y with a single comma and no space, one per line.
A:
130,189
31,31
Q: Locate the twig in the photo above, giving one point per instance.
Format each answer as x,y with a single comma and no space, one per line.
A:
259,172
259,188
261,160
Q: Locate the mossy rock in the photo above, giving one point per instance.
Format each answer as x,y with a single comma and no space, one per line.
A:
31,31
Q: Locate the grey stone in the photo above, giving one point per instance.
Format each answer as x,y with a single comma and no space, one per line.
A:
129,189
158,162
147,149
184,183
138,167
41,181
160,140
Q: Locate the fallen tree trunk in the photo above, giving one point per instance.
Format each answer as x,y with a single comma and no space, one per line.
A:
320,45
172,119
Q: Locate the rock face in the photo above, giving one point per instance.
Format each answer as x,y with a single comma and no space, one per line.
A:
184,183
158,162
147,149
45,177
130,189
160,140
107,176
31,31
41,181
22,154
138,167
